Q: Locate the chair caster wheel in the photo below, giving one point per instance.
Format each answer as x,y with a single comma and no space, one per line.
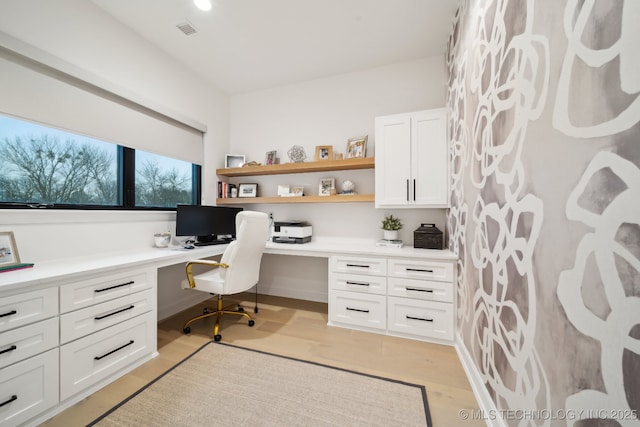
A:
255,309
186,330
217,337
252,322
206,311
240,309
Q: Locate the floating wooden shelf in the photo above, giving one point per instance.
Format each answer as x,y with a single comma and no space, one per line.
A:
355,198
304,167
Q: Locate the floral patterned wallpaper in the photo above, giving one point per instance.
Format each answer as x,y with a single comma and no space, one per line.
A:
544,100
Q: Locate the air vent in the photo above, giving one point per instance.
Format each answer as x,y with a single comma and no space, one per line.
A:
187,28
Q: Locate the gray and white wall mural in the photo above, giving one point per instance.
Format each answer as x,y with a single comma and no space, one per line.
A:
544,100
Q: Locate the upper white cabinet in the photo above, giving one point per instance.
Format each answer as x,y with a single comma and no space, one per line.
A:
412,160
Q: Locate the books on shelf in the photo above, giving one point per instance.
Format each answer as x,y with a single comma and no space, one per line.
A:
389,243
225,189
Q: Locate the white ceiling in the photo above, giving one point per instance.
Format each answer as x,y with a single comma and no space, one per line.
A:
247,45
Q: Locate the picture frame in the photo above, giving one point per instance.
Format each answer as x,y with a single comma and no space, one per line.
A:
357,147
234,160
248,190
327,187
8,249
324,152
283,190
270,158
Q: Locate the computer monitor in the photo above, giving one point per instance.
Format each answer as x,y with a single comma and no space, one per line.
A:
208,224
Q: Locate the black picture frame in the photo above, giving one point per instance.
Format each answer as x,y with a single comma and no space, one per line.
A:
248,190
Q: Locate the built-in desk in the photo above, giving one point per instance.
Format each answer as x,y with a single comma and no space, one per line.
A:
70,326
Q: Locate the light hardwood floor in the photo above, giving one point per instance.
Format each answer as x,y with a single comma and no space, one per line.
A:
299,329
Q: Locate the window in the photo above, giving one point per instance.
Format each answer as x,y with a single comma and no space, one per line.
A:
162,181
44,166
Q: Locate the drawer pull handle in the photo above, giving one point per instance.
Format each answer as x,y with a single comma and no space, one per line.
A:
115,312
358,283
7,350
420,290
358,265
420,270
113,351
114,287
10,313
407,190
11,399
357,309
419,318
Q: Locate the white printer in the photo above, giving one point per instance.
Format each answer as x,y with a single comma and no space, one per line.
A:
291,232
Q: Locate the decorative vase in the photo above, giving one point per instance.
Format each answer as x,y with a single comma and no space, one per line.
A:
390,234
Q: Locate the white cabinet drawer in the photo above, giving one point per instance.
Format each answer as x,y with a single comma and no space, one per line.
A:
358,309
358,283
424,318
28,307
93,291
420,289
91,359
359,265
28,388
19,344
83,322
416,269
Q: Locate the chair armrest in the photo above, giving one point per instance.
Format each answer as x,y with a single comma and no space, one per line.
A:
190,264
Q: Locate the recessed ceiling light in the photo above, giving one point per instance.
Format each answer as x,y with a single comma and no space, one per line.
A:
204,5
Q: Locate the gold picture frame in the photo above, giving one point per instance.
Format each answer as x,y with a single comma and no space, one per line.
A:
8,249
357,147
324,152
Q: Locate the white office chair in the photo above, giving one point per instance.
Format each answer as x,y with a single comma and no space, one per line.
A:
237,271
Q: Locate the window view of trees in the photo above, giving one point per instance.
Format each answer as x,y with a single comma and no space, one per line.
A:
44,169
42,165
161,181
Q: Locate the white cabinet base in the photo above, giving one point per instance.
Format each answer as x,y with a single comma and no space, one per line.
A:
28,387
407,297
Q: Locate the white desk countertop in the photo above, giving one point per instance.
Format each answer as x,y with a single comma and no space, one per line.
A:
328,246
63,268
60,269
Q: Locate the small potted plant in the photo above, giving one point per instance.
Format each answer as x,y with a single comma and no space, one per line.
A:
391,225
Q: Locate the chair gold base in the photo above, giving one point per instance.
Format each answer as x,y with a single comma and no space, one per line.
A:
220,310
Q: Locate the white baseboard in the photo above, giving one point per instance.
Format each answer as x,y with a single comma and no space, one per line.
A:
485,402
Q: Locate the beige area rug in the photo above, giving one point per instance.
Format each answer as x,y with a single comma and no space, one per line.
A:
224,385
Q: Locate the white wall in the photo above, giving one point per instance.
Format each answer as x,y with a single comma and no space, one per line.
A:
328,111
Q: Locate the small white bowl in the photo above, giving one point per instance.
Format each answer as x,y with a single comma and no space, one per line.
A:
162,240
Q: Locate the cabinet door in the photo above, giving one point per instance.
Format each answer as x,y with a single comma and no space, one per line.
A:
393,160
429,159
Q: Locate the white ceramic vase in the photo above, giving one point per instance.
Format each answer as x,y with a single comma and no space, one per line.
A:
390,234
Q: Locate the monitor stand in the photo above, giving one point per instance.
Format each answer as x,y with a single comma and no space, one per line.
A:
211,240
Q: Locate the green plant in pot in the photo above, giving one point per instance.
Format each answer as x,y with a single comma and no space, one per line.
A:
391,225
